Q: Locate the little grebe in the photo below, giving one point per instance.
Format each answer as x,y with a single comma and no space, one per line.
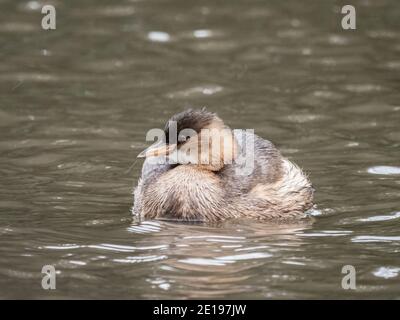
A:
209,172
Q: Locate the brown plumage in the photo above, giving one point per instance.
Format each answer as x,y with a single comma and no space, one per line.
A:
211,185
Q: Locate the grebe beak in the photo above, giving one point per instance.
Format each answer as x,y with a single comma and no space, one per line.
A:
160,148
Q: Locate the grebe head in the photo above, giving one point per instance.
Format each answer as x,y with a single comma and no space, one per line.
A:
196,137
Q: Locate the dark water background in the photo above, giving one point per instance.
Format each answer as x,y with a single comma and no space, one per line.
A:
76,102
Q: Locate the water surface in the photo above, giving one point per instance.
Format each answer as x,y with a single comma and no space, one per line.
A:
75,105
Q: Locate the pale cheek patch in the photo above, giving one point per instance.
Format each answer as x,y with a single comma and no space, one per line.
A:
217,146
211,149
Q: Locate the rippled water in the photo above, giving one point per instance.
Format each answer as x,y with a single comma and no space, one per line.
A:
76,103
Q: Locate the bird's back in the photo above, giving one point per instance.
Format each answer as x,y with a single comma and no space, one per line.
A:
258,161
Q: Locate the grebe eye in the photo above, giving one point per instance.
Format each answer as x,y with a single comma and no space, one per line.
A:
183,138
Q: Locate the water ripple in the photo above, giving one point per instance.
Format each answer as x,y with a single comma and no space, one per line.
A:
206,90
139,259
386,272
384,170
159,36
381,218
375,239
326,233
248,256
145,227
